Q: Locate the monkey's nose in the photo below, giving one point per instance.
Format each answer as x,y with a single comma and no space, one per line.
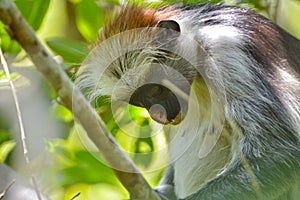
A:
158,113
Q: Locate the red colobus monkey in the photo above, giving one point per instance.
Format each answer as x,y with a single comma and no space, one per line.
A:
223,80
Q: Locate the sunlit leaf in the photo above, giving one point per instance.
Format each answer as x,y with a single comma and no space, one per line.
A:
126,141
4,136
6,43
33,11
138,112
61,112
90,168
5,149
144,149
90,17
18,80
71,50
111,1
82,191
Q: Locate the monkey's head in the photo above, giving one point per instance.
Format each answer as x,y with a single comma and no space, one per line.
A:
141,62
242,74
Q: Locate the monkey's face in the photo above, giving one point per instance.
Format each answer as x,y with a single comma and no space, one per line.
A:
163,91
145,68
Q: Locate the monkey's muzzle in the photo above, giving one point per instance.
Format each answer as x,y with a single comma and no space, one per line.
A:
162,104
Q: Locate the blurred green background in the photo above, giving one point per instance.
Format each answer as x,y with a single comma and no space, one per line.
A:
64,160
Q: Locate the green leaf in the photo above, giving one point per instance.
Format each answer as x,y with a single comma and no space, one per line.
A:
88,169
113,1
61,113
6,44
5,149
33,11
144,148
4,136
89,18
18,80
71,50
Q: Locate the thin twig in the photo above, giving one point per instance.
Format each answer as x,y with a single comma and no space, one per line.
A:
76,195
72,98
2,194
21,125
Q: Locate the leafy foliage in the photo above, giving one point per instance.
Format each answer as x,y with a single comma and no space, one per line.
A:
88,23
33,11
72,51
75,166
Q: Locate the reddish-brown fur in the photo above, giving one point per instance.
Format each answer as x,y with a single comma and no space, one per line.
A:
132,17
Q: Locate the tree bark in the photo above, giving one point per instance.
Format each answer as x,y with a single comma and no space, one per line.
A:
72,98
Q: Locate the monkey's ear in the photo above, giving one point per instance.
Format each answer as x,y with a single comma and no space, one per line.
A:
169,24
167,31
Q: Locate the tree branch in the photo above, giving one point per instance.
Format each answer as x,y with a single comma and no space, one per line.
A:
75,101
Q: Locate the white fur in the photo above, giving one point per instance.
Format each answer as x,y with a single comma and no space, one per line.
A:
234,98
